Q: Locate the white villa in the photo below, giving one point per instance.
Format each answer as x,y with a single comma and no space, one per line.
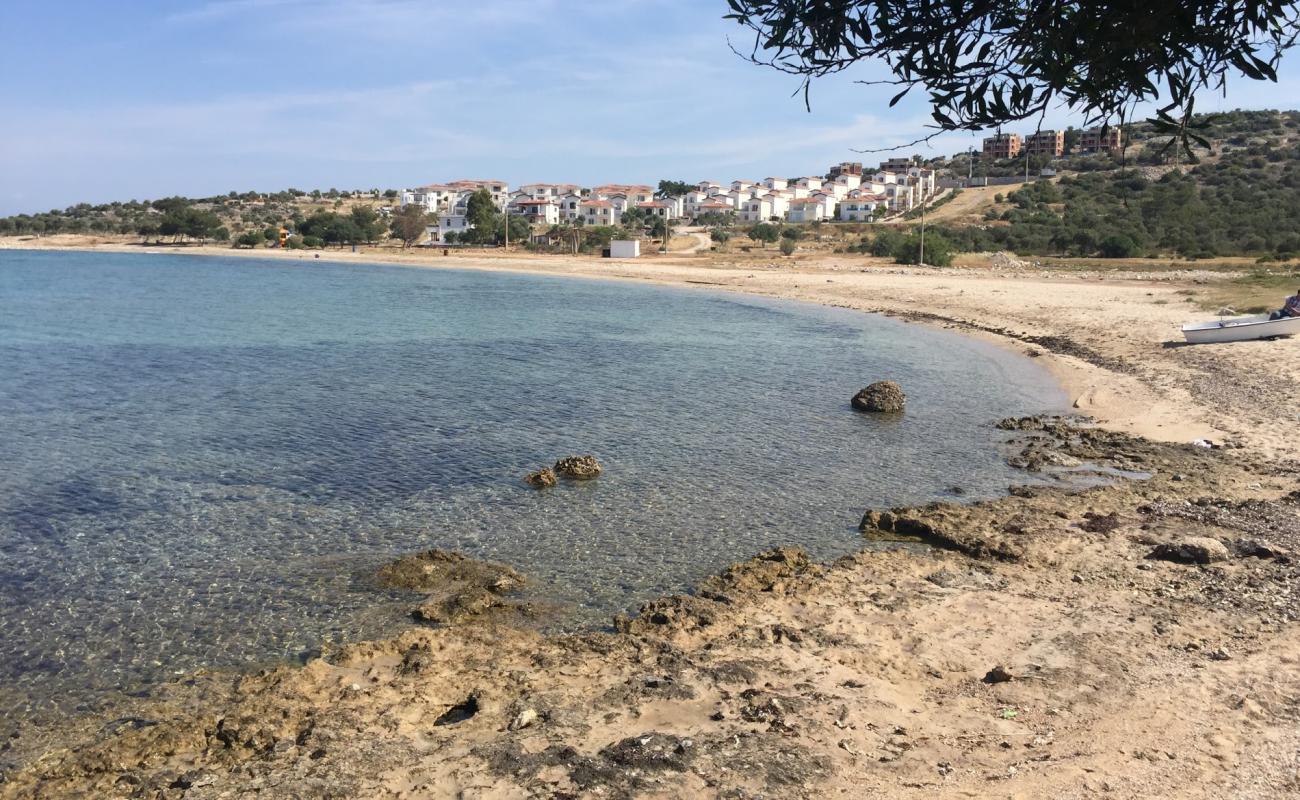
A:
847,194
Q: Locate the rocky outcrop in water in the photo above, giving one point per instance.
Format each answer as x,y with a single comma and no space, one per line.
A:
459,588
541,479
578,468
880,397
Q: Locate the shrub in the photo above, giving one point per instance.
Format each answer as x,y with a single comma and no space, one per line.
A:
787,247
938,250
1118,245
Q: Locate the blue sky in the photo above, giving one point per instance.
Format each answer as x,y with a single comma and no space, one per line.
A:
143,99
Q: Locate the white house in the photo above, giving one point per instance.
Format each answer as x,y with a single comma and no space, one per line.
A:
537,212
924,179
548,191
902,196
448,223
658,208
569,206
812,209
861,207
755,209
715,206
848,181
812,183
598,212
776,184
500,190
633,193
433,198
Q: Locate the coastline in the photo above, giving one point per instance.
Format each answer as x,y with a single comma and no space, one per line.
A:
1112,340
785,678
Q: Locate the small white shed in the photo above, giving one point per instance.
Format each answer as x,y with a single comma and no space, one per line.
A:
625,248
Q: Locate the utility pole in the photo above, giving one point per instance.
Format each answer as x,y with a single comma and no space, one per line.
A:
922,254
921,184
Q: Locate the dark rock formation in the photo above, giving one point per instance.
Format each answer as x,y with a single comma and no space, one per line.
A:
435,570
1192,550
578,468
543,478
459,589
881,397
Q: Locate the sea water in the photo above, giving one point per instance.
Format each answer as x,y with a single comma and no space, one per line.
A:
203,460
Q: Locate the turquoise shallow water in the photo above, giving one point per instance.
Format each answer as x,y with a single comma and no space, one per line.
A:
201,459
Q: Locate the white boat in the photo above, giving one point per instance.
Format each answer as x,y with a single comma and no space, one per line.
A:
1240,329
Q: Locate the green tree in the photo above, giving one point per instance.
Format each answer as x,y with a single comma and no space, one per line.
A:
764,232
674,188
1118,245
634,219
938,250
792,233
368,223
987,62
520,230
886,243
410,225
720,235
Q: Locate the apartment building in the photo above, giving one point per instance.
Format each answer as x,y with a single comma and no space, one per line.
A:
1045,143
1101,140
1003,145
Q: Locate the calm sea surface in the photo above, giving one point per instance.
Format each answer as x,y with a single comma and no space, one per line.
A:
201,459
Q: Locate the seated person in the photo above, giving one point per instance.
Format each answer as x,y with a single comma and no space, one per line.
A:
1291,309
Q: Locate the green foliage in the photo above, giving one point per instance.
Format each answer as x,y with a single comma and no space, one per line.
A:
634,219
788,247
369,226
520,230
409,225
987,62
938,250
886,244
713,219
792,232
720,235
948,198
331,228
764,232
674,188
1118,245
481,211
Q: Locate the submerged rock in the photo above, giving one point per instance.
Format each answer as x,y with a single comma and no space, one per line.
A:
579,468
435,569
543,478
880,397
459,589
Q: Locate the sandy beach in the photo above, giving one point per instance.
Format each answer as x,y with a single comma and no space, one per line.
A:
1137,639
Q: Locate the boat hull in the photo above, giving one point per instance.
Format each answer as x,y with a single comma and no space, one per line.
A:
1241,329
